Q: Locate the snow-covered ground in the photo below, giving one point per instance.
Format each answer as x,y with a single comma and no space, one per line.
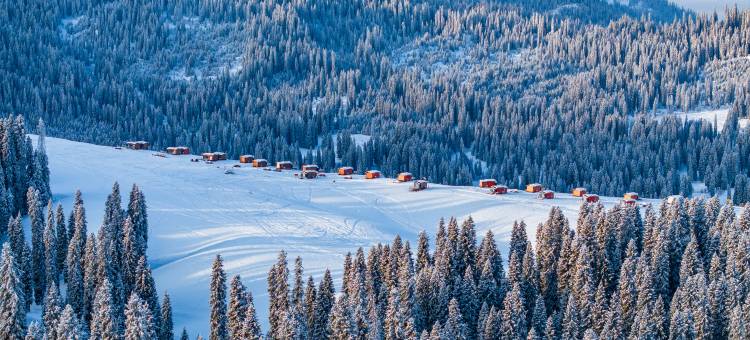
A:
196,212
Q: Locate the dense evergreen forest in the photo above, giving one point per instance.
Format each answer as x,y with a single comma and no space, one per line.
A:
89,286
558,92
677,272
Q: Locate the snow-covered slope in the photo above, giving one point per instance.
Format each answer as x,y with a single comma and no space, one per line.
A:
196,212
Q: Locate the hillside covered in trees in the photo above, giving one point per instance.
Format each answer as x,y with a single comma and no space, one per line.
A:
558,92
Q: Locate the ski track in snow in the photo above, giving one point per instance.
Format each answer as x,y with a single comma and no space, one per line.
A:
196,211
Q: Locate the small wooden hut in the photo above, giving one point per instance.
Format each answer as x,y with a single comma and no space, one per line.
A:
534,187
260,163
499,190
405,177
284,165
579,192
372,174
346,171
487,183
247,159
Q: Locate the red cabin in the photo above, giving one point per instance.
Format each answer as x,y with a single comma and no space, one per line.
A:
499,190
178,150
260,163
547,194
346,171
487,183
372,174
310,174
247,159
628,201
591,198
214,156
405,177
310,167
139,145
284,165
579,192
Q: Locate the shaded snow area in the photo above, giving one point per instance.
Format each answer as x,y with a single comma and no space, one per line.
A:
196,211
719,116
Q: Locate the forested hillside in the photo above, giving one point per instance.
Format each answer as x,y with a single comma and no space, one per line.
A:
560,92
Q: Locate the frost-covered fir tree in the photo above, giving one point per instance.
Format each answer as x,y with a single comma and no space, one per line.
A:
166,329
52,271
218,301
237,307
104,323
12,298
52,312
36,218
68,327
139,324
250,326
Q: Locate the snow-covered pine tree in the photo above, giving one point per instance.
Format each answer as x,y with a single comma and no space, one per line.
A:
34,331
12,298
104,325
454,327
62,239
166,329
74,263
36,218
549,243
52,312
139,324
341,323
40,178
323,305
146,290
52,272
91,278
218,301
424,259
251,327
68,327
237,308
139,217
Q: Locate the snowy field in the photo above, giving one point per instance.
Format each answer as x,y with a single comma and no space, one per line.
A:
196,211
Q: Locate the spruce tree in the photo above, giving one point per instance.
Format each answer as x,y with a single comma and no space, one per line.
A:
36,218
68,327
237,308
52,273
34,331
139,324
341,323
12,298
62,238
166,329
218,301
454,327
52,312
251,327
104,325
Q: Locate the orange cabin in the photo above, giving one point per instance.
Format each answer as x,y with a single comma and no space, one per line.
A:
247,159
499,190
547,194
260,163
487,183
579,192
372,174
405,177
535,187
591,198
631,196
346,170
284,165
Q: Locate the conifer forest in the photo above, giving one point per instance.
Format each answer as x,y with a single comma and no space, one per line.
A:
636,97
